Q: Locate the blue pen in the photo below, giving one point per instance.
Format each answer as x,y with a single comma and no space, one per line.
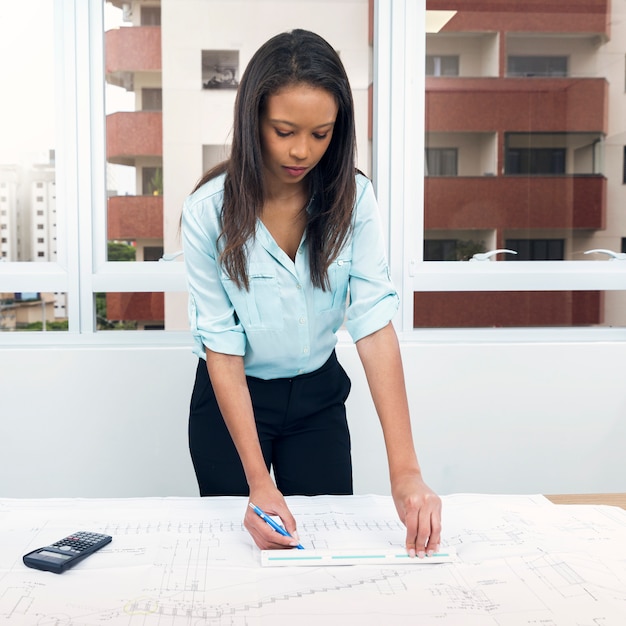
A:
268,520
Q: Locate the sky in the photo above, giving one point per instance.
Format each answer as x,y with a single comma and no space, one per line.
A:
27,78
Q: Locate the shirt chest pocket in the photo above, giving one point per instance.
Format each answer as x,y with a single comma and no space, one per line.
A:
339,277
259,308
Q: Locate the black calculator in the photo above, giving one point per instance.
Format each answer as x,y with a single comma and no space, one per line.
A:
65,553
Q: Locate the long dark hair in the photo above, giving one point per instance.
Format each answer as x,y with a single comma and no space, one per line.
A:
296,57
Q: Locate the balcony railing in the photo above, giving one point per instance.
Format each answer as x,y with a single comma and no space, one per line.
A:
132,49
531,16
507,309
133,134
499,202
135,217
141,307
516,104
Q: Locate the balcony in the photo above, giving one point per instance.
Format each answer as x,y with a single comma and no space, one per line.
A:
133,134
516,104
589,17
499,202
135,217
129,50
140,307
507,309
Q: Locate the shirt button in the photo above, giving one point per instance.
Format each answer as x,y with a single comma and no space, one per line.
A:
302,320
305,349
299,286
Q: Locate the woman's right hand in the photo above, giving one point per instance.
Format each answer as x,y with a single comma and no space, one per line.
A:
271,502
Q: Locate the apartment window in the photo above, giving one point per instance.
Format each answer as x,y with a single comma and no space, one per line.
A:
441,161
152,99
440,250
624,167
151,16
536,249
537,66
152,253
535,161
152,181
220,69
451,249
442,65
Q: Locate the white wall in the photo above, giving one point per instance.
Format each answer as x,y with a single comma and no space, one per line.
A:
112,422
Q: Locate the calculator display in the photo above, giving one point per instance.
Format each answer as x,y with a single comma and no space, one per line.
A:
54,555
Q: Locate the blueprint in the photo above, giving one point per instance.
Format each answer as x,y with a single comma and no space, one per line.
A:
521,561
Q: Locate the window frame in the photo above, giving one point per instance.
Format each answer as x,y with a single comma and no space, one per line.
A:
398,143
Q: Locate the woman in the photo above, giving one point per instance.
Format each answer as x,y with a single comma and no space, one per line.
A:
282,246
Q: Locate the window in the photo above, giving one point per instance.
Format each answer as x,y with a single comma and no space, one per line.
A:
442,65
151,16
220,69
535,161
152,99
537,66
152,181
441,161
451,249
536,249
521,151
538,168
27,121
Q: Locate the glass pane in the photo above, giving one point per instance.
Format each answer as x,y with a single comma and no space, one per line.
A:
525,130
33,311
170,94
517,309
28,212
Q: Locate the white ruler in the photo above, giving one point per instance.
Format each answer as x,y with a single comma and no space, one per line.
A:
323,558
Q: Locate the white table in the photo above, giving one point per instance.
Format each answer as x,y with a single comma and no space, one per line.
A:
522,560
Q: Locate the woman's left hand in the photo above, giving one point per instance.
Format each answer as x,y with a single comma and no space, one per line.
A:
419,508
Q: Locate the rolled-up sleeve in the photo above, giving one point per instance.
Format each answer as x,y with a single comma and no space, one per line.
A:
212,318
373,297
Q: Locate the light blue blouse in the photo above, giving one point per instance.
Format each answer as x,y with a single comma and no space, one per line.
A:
283,326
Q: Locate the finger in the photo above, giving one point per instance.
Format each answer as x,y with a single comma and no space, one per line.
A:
434,540
289,522
423,531
264,535
410,521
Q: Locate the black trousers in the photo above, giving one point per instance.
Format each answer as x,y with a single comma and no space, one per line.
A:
302,429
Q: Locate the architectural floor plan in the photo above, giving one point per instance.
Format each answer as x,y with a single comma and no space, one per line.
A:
521,561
